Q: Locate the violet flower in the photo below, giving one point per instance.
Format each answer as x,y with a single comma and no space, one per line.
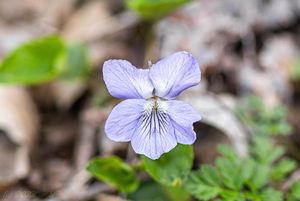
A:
151,118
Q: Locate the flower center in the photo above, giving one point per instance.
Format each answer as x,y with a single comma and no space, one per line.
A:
155,119
155,104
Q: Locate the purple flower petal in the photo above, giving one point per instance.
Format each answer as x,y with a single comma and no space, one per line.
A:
183,116
125,81
124,119
175,73
154,136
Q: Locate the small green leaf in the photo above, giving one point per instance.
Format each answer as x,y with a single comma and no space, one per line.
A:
271,195
248,169
77,62
33,62
230,173
232,195
154,9
284,167
209,175
264,151
261,176
199,189
115,172
262,120
204,183
296,70
172,168
228,152
295,190
204,192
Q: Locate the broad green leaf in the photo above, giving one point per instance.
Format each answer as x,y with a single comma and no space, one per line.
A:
230,173
149,191
295,190
154,9
114,171
153,191
284,167
34,62
176,193
76,62
172,168
271,195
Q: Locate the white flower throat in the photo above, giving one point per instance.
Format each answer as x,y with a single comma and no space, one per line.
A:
155,104
155,119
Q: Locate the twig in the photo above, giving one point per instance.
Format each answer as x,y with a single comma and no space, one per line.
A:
294,177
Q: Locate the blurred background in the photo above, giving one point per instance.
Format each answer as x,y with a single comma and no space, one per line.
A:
53,102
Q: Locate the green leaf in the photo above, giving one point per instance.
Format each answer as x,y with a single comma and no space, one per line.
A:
228,152
172,168
271,195
176,194
149,191
209,175
260,119
152,191
261,176
114,171
296,70
77,62
154,9
248,169
197,187
295,190
230,173
33,62
282,169
204,192
284,128
232,195
264,151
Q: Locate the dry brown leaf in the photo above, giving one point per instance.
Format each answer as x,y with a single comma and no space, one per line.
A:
269,85
216,113
19,127
65,93
18,194
279,55
106,197
86,21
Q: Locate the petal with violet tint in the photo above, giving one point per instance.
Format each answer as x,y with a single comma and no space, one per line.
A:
175,73
124,119
182,117
154,136
123,80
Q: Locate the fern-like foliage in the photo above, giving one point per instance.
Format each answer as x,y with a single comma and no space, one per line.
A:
257,177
